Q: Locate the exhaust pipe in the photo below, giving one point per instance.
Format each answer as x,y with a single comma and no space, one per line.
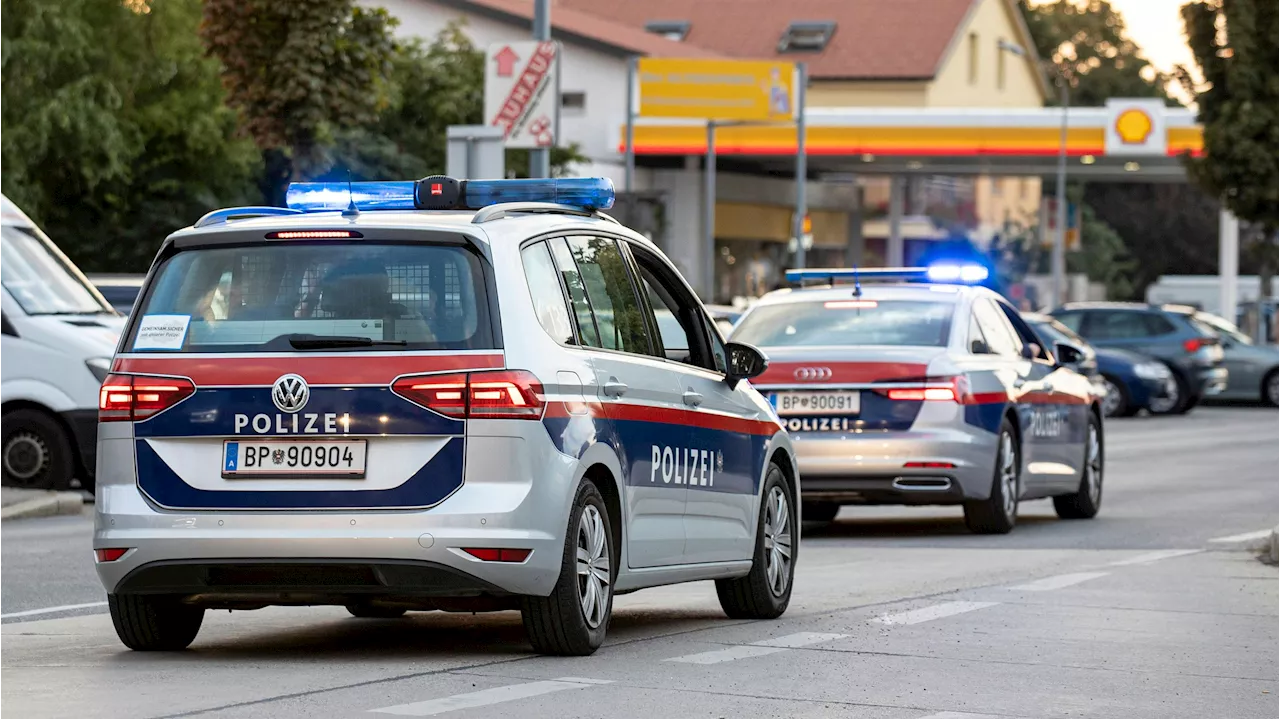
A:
923,484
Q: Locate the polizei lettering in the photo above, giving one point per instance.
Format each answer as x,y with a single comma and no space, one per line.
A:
685,465
308,423
818,424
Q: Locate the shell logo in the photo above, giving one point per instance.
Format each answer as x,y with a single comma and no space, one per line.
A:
1134,126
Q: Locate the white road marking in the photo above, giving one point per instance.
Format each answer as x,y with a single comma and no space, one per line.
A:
962,715
1260,534
937,611
758,649
1151,557
485,697
52,610
1058,582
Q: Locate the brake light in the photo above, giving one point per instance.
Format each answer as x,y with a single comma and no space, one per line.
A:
131,398
1194,344
500,394
921,394
929,465
108,555
488,554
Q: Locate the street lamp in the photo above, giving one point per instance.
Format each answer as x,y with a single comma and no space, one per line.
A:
1059,260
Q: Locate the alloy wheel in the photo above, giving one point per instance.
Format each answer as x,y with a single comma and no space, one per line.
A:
1008,473
1093,466
1112,401
777,541
594,577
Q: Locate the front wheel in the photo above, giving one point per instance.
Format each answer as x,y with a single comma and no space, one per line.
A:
1085,502
999,512
154,622
766,590
1270,392
37,453
1116,403
1177,399
573,620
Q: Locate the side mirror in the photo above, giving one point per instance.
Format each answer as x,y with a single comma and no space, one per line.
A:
1068,355
979,347
745,362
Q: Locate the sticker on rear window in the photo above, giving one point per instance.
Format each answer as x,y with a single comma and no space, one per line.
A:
161,332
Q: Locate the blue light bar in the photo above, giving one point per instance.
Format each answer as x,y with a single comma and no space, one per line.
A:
442,193
944,273
321,196
966,273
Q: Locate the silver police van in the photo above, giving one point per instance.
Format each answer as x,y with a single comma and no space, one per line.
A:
432,395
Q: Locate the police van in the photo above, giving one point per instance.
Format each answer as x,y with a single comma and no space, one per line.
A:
433,395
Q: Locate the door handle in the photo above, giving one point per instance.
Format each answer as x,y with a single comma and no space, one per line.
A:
691,398
614,388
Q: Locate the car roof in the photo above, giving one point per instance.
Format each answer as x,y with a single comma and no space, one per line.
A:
1096,305
886,291
1039,317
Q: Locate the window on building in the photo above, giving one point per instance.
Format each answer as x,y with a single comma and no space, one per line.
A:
1000,71
973,58
670,29
574,102
806,36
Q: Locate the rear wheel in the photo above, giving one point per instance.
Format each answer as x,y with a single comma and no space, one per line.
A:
1270,390
1177,399
36,452
573,620
766,590
373,611
1087,499
154,622
998,513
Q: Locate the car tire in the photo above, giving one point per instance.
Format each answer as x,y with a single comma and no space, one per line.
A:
819,513
154,622
1117,402
998,513
567,623
1270,389
1181,401
372,611
1085,502
765,591
36,452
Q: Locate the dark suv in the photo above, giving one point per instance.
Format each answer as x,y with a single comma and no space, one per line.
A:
1192,351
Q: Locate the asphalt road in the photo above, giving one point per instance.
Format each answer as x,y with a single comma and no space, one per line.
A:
897,614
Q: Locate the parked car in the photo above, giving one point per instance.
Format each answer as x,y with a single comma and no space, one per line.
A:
119,290
1129,382
1251,368
1191,350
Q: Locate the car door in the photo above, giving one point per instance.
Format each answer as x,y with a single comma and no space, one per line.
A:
725,458
637,395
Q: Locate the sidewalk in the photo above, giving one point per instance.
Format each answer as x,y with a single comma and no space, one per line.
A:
16,503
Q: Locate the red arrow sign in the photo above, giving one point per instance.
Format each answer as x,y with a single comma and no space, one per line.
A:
506,59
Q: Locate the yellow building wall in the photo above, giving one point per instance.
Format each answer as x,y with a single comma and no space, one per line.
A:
971,73
998,200
847,93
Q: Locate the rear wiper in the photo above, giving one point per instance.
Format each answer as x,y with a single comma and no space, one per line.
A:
320,342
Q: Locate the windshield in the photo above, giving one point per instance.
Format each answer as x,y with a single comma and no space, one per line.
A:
39,280
285,297
1215,324
854,322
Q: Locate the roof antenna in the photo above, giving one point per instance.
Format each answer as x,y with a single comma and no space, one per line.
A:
352,211
857,286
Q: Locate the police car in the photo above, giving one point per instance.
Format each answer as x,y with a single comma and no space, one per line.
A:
917,388
432,395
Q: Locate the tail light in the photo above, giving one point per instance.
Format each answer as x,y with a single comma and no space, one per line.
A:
501,394
929,465
1193,345
109,555
131,398
487,554
938,394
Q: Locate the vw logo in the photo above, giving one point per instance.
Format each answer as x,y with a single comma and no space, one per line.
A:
812,374
290,393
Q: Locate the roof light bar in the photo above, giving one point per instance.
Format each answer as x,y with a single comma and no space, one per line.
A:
950,273
446,193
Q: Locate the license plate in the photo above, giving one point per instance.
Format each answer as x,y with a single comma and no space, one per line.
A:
817,403
293,458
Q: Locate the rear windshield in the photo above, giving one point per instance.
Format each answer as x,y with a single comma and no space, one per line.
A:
846,322
284,297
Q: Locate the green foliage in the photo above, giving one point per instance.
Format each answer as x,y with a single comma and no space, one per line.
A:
1234,43
299,70
114,127
1087,43
1103,257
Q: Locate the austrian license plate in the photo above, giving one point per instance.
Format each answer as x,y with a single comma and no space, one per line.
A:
816,403
286,458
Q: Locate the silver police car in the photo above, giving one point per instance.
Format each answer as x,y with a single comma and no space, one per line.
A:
432,395
919,393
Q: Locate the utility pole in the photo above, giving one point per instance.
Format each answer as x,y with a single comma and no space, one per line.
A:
540,157
1059,265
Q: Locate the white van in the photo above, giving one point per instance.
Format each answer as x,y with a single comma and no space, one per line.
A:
58,336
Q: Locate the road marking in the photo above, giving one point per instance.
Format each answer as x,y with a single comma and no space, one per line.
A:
962,715
757,649
486,697
52,610
936,611
1247,536
1151,557
1058,582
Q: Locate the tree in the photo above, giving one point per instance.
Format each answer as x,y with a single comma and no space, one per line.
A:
1087,43
115,131
299,70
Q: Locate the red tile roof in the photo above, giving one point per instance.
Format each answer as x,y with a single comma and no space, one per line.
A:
589,26
874,39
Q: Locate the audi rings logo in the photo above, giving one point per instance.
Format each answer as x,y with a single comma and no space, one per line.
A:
812,374
290,393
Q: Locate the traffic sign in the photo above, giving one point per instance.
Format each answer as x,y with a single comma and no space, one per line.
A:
721,90
522,92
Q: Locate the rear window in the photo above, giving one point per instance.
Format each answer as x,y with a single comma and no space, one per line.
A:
848,322
270,298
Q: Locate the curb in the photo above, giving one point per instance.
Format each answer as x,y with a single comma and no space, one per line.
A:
50,504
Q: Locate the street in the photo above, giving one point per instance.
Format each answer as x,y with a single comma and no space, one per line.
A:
897,614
